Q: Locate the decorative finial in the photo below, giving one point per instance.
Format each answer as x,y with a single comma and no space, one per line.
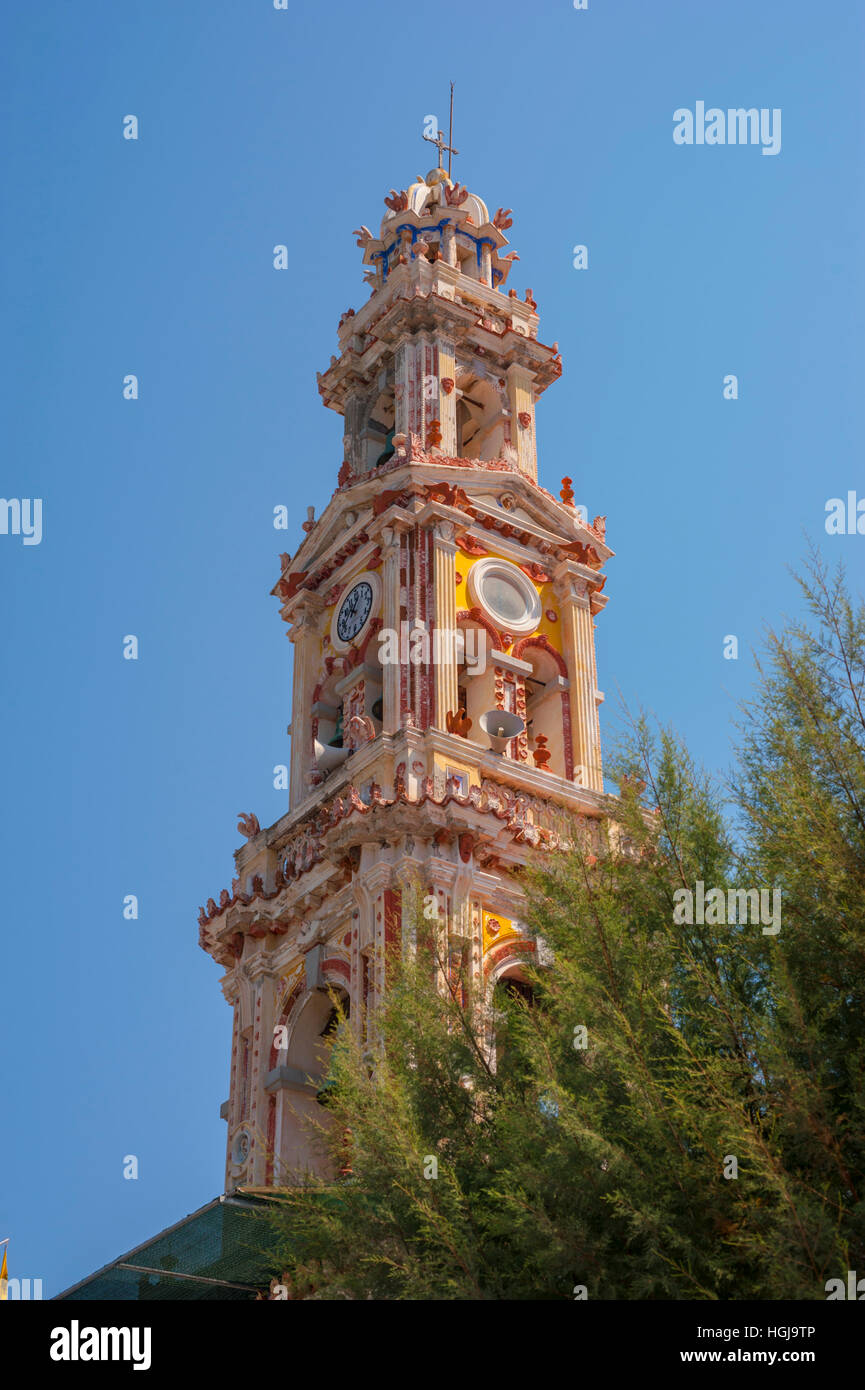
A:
439,140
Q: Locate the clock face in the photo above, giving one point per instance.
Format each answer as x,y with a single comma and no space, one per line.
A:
356,608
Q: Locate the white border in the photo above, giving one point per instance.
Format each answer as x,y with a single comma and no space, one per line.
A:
478,573
364,577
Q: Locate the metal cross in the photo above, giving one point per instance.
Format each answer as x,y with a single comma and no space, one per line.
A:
439,140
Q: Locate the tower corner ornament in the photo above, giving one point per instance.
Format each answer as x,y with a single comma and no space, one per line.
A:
444,718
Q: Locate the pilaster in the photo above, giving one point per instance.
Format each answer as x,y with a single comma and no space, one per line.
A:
522,407
443,653
305,636
579,650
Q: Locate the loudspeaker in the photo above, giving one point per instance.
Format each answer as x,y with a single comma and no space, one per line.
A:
327,758
500,727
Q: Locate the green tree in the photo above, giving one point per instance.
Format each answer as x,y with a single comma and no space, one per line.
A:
707,1140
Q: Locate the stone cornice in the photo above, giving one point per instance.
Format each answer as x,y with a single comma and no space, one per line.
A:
355,547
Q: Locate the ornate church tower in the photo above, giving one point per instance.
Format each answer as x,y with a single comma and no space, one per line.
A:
441,608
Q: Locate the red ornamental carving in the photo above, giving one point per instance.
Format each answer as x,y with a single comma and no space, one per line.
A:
541,752
344,473
545,645
451,495
583,554
334,966
307,849
471,547
567,492
524,418
248,825
566,730
434,434
448,384
499,688
456,196
503,219
287,588
467,615
537,573
386,499
466,845
359,730
512,948
397,202
458,723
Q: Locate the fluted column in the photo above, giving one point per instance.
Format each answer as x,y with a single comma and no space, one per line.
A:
417,386
521,403
390,616
305,636
579,651
445,611
447,396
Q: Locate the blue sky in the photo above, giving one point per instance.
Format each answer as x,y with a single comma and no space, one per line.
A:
154,257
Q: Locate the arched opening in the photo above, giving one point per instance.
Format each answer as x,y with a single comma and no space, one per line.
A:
514,988
328,714
378,432
512,991
544,718
479,419
475,692
312,1036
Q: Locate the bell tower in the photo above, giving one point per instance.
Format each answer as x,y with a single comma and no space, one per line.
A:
445,703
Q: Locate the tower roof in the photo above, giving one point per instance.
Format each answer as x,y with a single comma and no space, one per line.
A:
427,197
418,216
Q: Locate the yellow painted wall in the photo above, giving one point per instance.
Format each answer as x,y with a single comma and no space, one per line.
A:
551,630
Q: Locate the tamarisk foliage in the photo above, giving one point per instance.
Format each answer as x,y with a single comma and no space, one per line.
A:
660,1109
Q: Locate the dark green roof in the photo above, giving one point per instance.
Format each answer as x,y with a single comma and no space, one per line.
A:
220,1251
